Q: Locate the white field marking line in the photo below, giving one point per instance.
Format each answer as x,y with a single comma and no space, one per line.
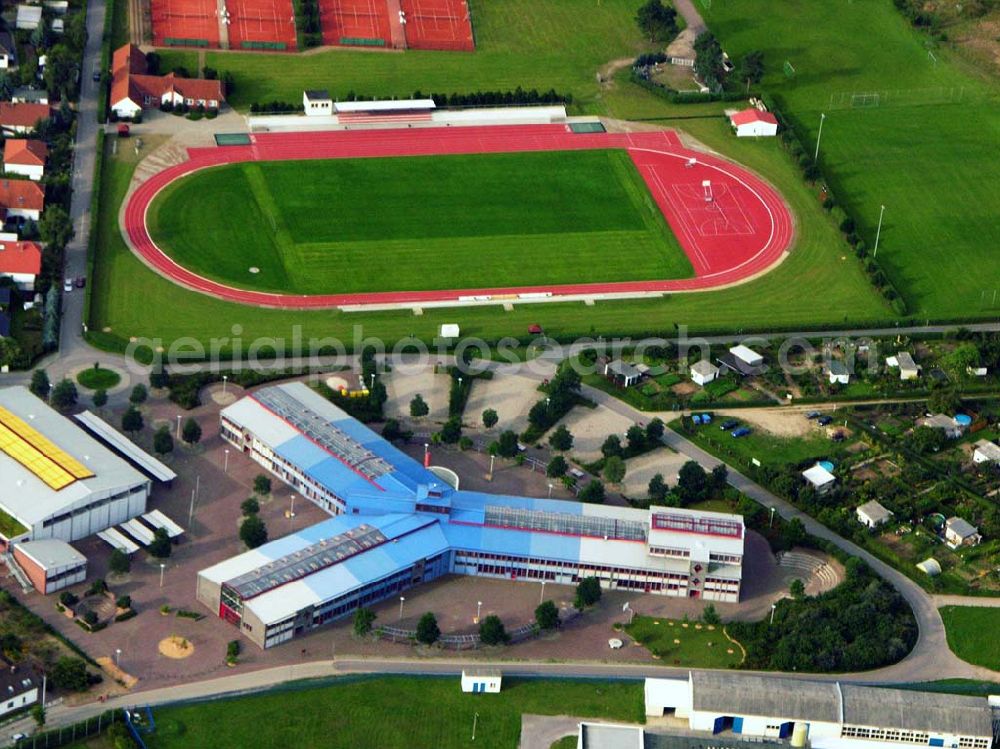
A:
714,214
686,227
752,191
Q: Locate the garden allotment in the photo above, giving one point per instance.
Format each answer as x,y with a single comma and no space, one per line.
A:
396,524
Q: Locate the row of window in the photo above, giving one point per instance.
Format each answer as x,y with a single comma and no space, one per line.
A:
520,566
906,737
90,506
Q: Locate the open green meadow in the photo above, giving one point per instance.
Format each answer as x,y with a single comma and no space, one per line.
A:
426,712
480,221
971,632
924,148
539,44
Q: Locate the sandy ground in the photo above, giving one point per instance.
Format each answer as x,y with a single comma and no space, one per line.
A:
640,470
402,385
511,396
590,427
781,422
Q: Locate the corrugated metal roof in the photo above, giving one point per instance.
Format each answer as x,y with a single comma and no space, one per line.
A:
776,697
916,711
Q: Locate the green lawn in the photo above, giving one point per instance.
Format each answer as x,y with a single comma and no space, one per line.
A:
971,632
388,712
922,159
685,644
98,379
539,44
480,221
769,449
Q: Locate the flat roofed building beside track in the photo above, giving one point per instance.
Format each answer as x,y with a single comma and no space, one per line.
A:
826,714
57,481
397,525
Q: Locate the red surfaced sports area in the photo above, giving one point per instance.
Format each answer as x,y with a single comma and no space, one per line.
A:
731,224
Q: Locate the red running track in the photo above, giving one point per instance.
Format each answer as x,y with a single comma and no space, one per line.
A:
744,230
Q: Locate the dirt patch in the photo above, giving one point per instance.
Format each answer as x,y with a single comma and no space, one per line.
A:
176,647
606,73
780,422
640,470
590,427
116,674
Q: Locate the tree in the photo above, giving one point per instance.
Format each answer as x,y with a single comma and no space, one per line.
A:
158,377
793,533
547,615
132,421
654,430
797,588
261,485
159,547
636,436
588,592
253,532
720,476
163,441
614,470
55,228
419,407
507,446
490,418
61,72
249,506
657,490
752,67
492,631
70,674
363,619
561,439
138,395
592,493
428,631
451,430
944,401
657,21
191,431
692,482
612,446
100,398
710,616
557,467
40,385
64,394
708,60
38,713
392,430
119,563
925,439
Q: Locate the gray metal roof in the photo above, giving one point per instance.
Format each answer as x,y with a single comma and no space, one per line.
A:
916,711
119,442
875,511
51,553
962,527
607,736
746,694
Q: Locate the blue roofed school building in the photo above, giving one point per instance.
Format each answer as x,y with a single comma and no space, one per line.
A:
396,524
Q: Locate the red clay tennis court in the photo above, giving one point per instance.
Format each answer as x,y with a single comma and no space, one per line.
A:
354,22
185,23
438,24
732,228
261,24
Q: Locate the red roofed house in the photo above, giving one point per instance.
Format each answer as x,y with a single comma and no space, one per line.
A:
21,198
21,261
132,90
25,157
22,117
753,122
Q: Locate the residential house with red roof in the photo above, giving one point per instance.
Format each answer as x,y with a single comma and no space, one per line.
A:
754,123
21,261
133,90
25,157
22,117
21,198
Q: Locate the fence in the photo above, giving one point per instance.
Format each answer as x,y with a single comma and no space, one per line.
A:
71,734
898,97
463,642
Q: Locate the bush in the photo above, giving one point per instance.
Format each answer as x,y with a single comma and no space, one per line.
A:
70,674
547,615
160,547
593,493
363,620
588,592
428,631
68,599
253,532
557,467
232,650
124,602
261,484
492,631
250,506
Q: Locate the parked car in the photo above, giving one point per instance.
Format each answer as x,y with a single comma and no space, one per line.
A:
17,737
96,75
68,284
729,424
824,420
813,415
741,432
81,282
838,437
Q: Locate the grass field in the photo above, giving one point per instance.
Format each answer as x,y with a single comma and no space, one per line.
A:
920,158
971,632
98,379
480,221
769,449
539,44
425,712
818,283
685,644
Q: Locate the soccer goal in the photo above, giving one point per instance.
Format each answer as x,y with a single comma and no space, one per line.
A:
866,99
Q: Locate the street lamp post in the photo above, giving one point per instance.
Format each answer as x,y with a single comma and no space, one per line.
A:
225,381
773,607
878,232
819,135
550,490
541,596
118,656
178,426
770,523
479,609
402,600
162,567
475,720
492,460
225,465
291,512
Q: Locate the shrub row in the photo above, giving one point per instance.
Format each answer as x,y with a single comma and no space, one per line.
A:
846,222
104,87
509,98
308,32
642,70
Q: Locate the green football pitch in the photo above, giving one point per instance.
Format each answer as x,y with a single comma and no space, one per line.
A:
419,223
